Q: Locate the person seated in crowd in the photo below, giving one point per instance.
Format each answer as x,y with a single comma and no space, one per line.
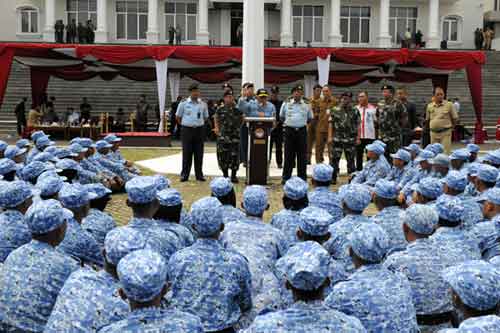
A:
427,191
33,170
73,118
376,167
400,166
223,189
414,150
459,159
16,154
8,169
423,169
321,196
440,166
119,121
3,146
116,155
49,184
473,150
492,158
102,157
486,177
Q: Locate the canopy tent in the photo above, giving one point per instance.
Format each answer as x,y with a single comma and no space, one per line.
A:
219,64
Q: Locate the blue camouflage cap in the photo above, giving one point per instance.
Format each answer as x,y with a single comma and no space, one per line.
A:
386,189
162,182
369,242
121,241
315,221
45,216
413,148
65,153
306,265
422,219
169,197
322,172
7,165
429,187
492,195
37,134
14,193
45,156
402,155
51,150
487,173
476,282
86,143
142,275
473,148
441,159
49,185
355,196
460,154
3,145
295,188
22,143
221,186
493,157
34,169
112,138
141,189
381,143
98,189
450,208
101,144
473,168
436,148
14,151
68,164
424,155
77,149
75,195
44,141
206,216
376,148
255,199
456,180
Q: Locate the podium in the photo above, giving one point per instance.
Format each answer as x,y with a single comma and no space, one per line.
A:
259,131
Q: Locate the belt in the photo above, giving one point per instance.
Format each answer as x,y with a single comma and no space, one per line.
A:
440,130
434,319
192,126
296,128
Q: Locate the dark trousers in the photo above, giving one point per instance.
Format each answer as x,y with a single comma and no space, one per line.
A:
192,144
349,151
360,151
295,148
406,137
277,140
243,143
21,126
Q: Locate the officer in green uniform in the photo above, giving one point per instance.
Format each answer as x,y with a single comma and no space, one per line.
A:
391,117
228,119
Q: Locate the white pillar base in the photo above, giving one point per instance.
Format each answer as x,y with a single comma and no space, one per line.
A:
286,40
101,37
433,43
384,42
334,40
153,37
495,44
203,38
49,36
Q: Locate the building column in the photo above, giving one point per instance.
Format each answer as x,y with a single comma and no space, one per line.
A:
253,43
433,35
384,39
286,37
50,21
202,35
334,37
225,21
101,34
153,33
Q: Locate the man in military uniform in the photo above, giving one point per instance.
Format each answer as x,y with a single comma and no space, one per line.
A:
277,132
391,117
325,108
343,131
227,124
315,102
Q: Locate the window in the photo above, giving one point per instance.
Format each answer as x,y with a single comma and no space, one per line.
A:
131,19
355,24
81,11
307,23
182,16
451,26
400,19
27,20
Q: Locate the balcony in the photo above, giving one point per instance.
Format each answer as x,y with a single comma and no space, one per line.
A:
492,16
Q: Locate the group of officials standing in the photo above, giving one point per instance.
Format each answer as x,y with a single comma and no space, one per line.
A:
303,124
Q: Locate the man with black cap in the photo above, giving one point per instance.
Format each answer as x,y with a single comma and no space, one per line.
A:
315,101
277,133
296,114
192,114
246,103
391,117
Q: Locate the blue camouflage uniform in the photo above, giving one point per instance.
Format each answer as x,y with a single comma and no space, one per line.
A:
430,187
443,161
397,174
105,161
407,182
373,170
49,184
321,196
483,324
7,166
33,275
486,232
221,187
461,154
143,275
379,298
207,280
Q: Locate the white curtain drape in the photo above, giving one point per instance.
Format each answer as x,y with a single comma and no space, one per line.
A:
174,79
323,70
161,81
309,82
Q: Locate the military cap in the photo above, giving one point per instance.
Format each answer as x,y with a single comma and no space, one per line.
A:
493,157
206,216
346,94
141,189
424,155
473,168
422,219
317,86
450,208
142,275
322,172
298,87
86,143
388,87
49,185
14,193
13,151
414,148
355,196
51,150
487,173
34,169
44,141
75,195
169,197
482,324
98,189
227,86
386,189
369,241
492,195
77,148
476,282
101,144
436,148
456,180
65,153
262,93
45,216
121,241
440,159
162,182
22,143
228,93
306,265
275,89
51,173
3,145
255,199
45,156
295,188
376,148
248,85
194,86
68,164
112,138
7,165
473,148
460,154
429,187
315,221
380,142
221,186
402,155
37,134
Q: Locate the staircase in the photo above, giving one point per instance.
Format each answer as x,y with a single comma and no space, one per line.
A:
108,96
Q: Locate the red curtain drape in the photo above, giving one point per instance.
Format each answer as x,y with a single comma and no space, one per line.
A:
369,57
346,79
39,84
446,60
6,56
474,77
213,77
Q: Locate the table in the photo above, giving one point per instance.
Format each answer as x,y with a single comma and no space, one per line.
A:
70,132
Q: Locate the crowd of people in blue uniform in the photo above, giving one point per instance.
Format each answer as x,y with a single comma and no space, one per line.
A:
428,261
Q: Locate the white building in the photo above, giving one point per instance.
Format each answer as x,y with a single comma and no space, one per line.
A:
350,23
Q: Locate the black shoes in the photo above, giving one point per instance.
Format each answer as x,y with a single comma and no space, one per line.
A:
184,179
200,179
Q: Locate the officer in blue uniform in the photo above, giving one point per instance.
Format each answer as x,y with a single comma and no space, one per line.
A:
296,114
191,115
264,107
321,196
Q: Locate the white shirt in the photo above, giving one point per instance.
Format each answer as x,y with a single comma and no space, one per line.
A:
457,106
368,116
